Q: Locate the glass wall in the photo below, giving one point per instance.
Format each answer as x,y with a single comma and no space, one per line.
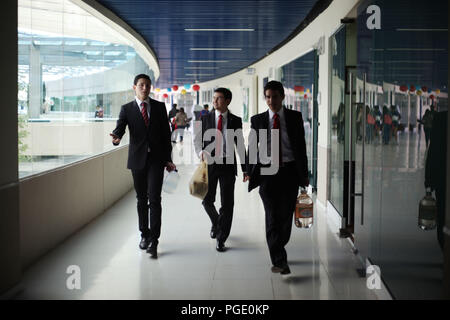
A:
338,125
75,72
405,63
299,80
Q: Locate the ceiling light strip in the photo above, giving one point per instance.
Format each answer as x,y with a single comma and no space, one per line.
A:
423,30
215,49
208,61
219,29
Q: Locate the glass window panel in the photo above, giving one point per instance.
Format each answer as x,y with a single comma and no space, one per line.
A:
70,91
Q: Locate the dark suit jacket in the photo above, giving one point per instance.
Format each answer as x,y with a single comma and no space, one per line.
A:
156,135
233,122
296,134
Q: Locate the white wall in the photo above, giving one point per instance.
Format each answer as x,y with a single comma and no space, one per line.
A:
55,205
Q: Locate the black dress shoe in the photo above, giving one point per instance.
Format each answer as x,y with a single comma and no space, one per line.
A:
145,242
213,232
152,249
220,246
282,270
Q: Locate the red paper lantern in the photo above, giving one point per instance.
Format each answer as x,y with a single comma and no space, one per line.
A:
299,88
305,96
432,97
412,88
424,89
165,95
196,87
175,88
403,88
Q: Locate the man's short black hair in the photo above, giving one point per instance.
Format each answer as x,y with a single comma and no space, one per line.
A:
141,76
226,93
205,106
274,85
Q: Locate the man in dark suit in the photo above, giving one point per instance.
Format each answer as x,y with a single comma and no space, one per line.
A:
221,132
278,188
150,151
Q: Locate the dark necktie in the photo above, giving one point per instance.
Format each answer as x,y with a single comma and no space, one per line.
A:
144,113
276,125
219,136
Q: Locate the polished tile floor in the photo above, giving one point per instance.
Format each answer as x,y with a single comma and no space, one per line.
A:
113,267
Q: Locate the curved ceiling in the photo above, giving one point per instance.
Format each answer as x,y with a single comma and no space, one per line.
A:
197,41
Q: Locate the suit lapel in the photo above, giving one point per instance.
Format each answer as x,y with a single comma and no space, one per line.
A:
212,120
152,113
137,113
230,122
265,123
290,126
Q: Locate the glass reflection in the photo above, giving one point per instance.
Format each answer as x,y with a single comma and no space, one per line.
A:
298,77
406,101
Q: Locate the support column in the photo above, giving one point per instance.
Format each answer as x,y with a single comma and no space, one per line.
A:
10,266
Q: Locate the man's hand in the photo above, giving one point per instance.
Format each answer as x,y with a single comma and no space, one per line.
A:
170,166
115,139
204,155
246,177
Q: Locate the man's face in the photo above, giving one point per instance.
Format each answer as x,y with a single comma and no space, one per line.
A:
220,104
274,99
142,88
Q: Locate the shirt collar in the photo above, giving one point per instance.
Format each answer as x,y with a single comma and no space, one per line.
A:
280,113
147,101
224,115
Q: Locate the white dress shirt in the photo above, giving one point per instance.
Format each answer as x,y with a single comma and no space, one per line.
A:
286,148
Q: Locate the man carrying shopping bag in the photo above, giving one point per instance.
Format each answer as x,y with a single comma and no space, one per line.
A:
221,133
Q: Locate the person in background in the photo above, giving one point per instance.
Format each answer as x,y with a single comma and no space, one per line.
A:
172,113
181,120
378,124
427,122
396,116
387,124
205,110
98,112
370,125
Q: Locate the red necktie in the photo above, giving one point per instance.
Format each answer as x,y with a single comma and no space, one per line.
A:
144,113
219,136
276,125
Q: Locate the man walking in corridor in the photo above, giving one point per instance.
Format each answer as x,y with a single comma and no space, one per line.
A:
222,168
278,191
150,151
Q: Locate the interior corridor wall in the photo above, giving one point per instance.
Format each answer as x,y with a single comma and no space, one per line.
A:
323,26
